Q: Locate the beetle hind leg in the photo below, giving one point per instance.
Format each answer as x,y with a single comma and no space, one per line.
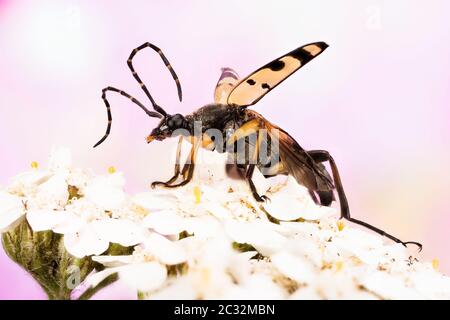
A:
322,156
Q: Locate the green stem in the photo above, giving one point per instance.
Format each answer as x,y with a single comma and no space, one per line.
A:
104,283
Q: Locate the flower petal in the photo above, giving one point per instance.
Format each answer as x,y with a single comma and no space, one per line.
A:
55,190
95,278
360,244
70,223
294,267
11,210
60,159
106,192
257,233
164,250
288,207
203,227
28,179
258,287
44,219
164,222
86,242
389,286
182,289
113,261
216,209
156,200
121,231
432,284
144,276
305,293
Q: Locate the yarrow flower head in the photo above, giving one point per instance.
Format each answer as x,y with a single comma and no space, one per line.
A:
207,240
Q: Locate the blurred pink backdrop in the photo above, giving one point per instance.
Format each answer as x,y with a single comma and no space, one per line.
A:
377,99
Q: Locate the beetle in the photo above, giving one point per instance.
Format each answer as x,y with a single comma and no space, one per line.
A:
230,116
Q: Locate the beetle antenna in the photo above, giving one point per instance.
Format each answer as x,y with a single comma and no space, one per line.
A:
138,79
108,109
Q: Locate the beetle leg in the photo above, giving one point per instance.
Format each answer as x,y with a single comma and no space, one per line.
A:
250,127
176,169
322,156
255,193
188,174
188,169
235,171
251,169
245,130
313,196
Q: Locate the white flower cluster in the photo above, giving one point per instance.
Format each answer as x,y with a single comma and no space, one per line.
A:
211,240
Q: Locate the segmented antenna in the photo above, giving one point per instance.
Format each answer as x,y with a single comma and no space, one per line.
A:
138,79
108,109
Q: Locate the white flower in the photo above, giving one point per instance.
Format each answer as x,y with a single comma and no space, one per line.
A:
308,293
211,240
107,191
86,219
86,241
145,270
11,210
26,183
431,284
60,159
164,250
256,287
47,219
260,234
165,222
390,286
292,201
359,244
181,289
157,200
48,187
294,267
208,272
87,230
146,276
54,192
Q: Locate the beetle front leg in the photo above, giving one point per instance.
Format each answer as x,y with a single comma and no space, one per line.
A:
176,169
187,173
188,169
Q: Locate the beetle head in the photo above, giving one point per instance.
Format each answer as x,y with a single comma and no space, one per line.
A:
168,127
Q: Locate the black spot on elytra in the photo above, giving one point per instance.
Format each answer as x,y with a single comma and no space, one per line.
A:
251,82
302,55
276,65
265,86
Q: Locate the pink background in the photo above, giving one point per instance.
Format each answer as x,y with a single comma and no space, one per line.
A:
377,99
